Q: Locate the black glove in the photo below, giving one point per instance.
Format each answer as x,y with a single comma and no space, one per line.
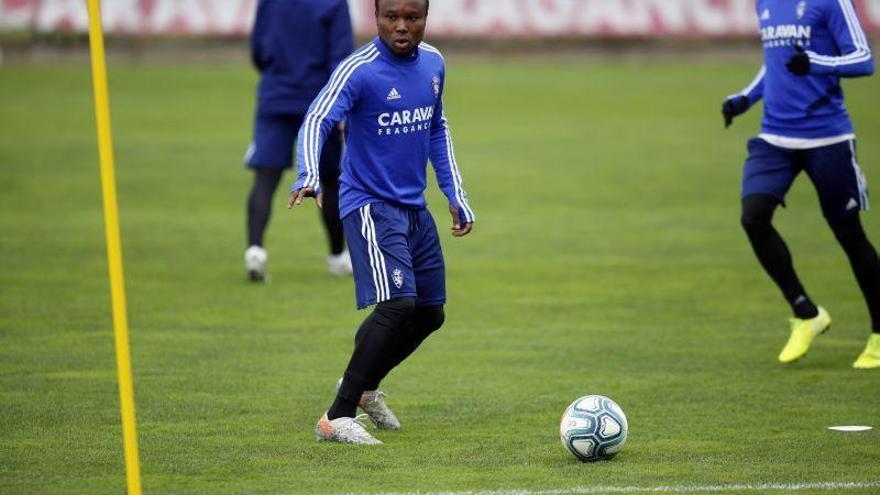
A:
733,106
799,63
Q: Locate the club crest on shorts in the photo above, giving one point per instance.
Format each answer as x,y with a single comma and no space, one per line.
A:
397,277
435,85
801,9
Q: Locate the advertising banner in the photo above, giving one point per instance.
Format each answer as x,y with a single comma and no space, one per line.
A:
448,18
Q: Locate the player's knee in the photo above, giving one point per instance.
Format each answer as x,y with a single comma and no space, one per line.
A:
265,183
752,223
431,318
267,178
848,231
757,212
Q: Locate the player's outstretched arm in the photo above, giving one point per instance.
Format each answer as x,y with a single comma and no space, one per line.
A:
306,186
740,103
856,59
307,183
328,109
449,179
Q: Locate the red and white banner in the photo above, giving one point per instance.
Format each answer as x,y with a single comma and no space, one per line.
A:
448,18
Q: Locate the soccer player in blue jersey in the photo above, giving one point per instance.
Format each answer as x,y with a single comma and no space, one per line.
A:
390,94
809,45
295,45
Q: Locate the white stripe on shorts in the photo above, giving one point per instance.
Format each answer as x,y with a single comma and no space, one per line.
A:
377,259
860,178
251,151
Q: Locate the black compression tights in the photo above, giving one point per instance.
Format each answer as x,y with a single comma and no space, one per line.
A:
330,214
392,332
863,259
774,256
423,322
259,208
757,215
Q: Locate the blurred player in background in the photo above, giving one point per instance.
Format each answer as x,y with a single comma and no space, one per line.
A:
391,93
808,46
295,45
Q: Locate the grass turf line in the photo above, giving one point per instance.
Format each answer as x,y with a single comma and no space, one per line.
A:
602,490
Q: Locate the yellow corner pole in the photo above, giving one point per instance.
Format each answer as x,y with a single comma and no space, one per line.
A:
114,250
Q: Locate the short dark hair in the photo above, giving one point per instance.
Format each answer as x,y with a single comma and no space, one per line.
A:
427,6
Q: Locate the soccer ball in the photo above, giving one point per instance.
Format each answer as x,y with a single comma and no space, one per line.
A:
593,428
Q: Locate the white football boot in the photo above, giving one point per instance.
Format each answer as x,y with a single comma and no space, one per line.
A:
255,259
344,430
339,265
373,403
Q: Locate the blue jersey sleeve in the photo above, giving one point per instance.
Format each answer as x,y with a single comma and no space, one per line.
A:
754,91
442,158
340,36
856,58
261,23
330,106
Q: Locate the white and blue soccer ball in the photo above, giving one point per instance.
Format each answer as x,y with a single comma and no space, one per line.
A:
593,428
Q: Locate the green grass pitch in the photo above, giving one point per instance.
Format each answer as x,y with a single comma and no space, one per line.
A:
607,258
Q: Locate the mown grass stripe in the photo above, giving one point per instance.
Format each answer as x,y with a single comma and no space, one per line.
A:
599,490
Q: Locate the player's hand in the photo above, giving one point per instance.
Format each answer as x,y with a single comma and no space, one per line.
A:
799,63
296,197
732,107
459,229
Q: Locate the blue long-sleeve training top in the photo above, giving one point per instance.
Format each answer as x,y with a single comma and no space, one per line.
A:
393,109
808,107
296,45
